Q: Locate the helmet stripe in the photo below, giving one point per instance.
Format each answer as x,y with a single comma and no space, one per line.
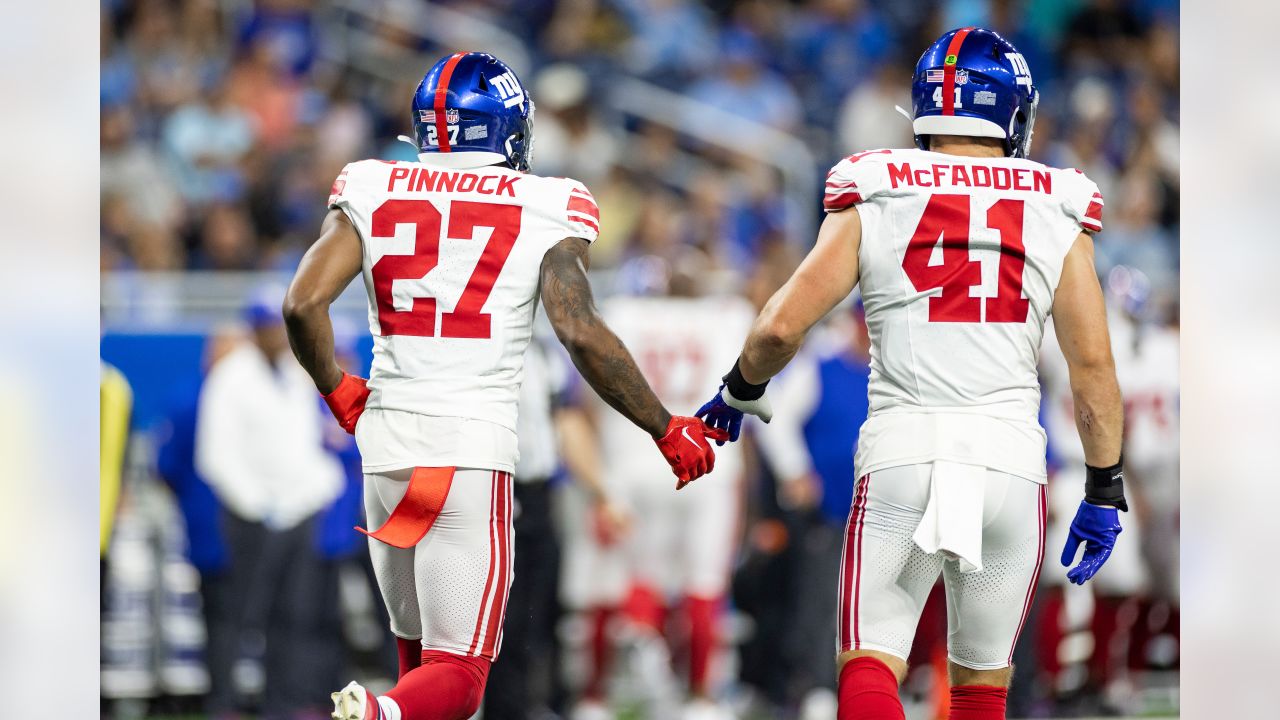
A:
949,71
442,89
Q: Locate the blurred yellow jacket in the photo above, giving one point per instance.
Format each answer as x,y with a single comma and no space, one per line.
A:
116,410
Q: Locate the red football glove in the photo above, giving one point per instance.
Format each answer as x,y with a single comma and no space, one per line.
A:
686,448
346,402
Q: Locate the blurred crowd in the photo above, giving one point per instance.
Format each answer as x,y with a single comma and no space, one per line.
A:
223,123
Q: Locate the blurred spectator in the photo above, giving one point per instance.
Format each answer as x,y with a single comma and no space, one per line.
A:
204,40
868,118
116,81
226,240
176,465
658,228
1090,117
1135,238
585,31
1153,137
116,398
753,216
671,38
259,446
1102,36
743,86
132,170
809,449
343,133
261,84
836,43
164,76
570,140
283,30
206,138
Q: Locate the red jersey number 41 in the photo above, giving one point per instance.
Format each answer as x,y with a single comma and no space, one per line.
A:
466,319
947,217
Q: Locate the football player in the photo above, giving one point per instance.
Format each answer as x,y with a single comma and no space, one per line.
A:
681,546
962,249
454,251
1142,575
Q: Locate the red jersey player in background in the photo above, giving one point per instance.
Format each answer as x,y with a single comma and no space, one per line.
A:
962,249
673,568
454,252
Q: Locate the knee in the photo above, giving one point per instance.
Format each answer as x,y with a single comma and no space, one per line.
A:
895,664
961,675
868,688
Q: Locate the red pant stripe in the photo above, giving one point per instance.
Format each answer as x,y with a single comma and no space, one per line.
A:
857,578
498,597
848,572
1035,576
488,583
504,584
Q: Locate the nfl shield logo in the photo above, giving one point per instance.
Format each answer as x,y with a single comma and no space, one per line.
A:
451,116
962,76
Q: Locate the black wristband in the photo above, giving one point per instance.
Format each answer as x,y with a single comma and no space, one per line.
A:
738,386
1105,486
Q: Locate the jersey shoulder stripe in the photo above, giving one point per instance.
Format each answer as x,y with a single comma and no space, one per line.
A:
853,180
1083,200
581,213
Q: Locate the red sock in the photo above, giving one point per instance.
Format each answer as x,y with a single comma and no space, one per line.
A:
644,606
978,702
868,691
409,653
702,635
601,653
444,687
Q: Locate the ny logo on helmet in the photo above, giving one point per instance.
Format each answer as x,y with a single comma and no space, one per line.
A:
509,88
1021,71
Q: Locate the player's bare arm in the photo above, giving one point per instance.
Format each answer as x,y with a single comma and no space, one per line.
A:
579,447
608,367
1080,320
598,354
325,271
825,278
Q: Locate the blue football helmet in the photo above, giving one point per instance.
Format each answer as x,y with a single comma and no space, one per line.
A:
975,83
470,106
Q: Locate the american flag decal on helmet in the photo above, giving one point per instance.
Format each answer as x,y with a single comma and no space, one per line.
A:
429,116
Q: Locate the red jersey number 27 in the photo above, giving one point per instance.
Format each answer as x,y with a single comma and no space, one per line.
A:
466,319
947,216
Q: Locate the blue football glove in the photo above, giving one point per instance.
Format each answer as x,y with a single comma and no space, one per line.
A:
1097,527
724,411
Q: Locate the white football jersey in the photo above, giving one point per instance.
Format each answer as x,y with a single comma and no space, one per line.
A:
682,347
1147,369
452,258
959,261
1146,358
